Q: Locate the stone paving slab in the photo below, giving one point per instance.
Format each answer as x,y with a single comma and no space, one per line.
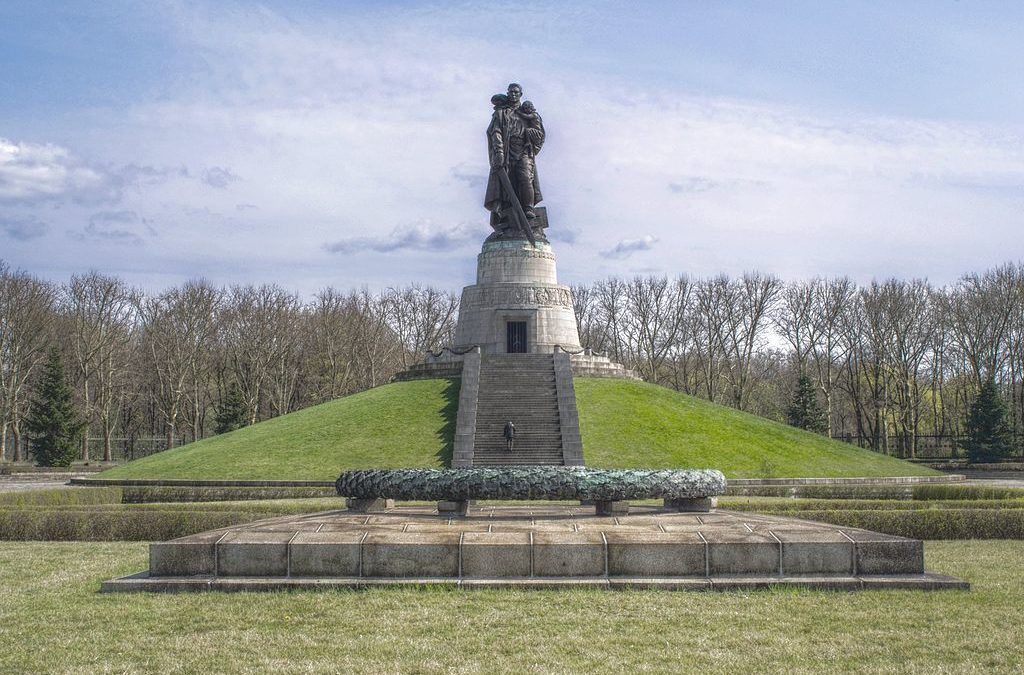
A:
532,547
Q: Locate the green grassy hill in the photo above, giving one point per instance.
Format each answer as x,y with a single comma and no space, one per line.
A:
629,424
412,424
405,424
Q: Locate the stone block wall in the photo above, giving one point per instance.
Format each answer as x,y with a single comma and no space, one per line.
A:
465,421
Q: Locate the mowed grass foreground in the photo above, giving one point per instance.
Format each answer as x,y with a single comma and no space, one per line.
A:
624,424
635,424
53,619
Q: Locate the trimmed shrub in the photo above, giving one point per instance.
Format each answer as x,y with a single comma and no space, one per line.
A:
929,523
125,525
895,491
954,491
919,491
151,494
62,496
54,515
269,508
791,506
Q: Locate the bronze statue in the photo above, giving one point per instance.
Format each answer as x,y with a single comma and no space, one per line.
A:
514,138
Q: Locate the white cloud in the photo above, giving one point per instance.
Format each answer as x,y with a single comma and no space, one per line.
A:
425,236
346,129
628,247
30,171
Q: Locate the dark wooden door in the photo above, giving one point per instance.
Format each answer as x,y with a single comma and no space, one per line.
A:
515,335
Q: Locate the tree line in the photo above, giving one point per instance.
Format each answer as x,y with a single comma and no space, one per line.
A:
892,363
165,365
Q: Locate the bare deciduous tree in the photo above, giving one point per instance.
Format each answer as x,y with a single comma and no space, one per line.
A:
657,321
179,331
26,316
832,299
744,331
422,317
100,310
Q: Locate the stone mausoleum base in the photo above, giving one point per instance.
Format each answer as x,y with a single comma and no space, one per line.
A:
535,546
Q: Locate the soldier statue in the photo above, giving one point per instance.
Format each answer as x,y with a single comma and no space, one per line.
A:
514,138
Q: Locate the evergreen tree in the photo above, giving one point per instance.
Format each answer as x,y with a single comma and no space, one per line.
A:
232,413
988,431
804,411
53,426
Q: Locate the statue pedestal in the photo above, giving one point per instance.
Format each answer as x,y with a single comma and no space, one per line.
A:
516,305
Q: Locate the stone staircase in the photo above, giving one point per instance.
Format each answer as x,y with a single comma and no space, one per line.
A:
520,388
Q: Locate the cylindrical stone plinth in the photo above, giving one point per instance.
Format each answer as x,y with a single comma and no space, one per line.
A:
515,262
516,282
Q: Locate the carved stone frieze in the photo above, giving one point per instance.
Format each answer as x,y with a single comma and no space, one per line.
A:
518,253
517,294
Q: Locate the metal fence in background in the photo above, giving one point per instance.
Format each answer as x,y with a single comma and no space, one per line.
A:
121,449
929,446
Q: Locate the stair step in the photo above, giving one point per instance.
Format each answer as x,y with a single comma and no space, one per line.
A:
520,388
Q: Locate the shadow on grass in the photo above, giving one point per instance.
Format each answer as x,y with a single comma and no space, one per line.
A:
450,411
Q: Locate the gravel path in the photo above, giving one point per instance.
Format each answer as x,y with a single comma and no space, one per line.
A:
20,482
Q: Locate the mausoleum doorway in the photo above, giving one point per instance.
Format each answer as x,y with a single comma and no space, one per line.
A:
515,337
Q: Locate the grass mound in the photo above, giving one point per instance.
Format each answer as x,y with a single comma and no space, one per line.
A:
405,424
628,424
411,424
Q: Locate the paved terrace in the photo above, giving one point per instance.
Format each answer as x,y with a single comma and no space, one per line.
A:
535,546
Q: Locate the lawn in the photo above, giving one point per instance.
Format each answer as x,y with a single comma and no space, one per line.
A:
405,424
52,619
629,424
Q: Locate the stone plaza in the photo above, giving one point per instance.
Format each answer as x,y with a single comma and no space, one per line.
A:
535,546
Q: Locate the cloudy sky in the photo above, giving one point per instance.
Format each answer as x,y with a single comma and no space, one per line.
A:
341,143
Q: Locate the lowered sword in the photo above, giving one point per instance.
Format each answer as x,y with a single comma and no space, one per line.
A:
517,209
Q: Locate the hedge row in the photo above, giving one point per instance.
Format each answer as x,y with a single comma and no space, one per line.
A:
162,524
163,494
62,496
126,525
822,491
964,492
919,491
157,494
791,505
929,523
273,508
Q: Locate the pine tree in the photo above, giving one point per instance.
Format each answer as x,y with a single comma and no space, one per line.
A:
53,426
232,413
988,431
804,412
